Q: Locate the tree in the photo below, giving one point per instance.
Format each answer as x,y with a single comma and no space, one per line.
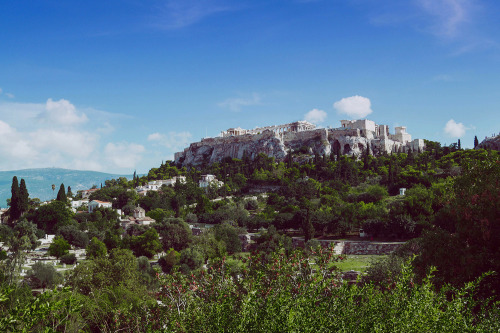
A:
23,197
175,234
15,205
229,235
459,145
169,260
96,249
59,247
147,244
61,195
43,276
190,259
70,193
476,141
52,216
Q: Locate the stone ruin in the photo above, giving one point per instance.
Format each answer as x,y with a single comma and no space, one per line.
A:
353,138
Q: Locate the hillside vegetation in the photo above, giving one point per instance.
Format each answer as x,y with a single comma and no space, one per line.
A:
445,278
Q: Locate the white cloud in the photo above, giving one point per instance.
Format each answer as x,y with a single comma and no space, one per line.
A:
9,95
155,137
176,14
56,133
355,107
123,154
61,112
454,130
448,15
235,104
315,116
174,141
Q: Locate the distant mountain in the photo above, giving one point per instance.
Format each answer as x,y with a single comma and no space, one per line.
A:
39,181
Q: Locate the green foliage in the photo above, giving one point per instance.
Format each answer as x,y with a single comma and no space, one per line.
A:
59,247
52,216
175,233
190,259
169,260
43,276
229,235
61,195
68,259
96,249
147,244
49,312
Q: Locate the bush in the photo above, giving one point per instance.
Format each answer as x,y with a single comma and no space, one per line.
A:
68,259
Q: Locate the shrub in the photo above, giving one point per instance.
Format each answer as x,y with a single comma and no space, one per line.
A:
68,259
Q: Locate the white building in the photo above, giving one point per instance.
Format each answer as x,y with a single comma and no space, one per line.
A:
207,180
97,203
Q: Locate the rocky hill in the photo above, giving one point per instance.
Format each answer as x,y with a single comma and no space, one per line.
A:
278,144
490,143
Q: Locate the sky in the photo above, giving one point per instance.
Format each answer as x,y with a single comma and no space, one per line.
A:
118,86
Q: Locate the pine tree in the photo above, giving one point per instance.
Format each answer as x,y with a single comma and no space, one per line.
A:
23,197
61,195
476,141
70,193
15,211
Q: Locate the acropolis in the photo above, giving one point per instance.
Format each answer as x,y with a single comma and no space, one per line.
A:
353,137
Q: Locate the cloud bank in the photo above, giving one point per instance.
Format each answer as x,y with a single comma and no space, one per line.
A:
355,107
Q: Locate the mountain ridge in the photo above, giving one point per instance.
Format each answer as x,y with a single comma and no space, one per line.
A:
39,181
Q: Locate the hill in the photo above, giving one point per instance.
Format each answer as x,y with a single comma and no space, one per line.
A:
39,181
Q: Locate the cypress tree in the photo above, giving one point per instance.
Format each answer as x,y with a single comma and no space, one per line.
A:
476,141
459,145
70,193
23,197
15,211
61,195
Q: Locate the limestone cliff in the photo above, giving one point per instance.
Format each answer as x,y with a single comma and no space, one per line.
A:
490,143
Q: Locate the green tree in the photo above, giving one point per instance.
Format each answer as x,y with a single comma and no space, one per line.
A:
61,195
15,204
69,194
59,247
23,197
43,276
175,233
229,235
96,249
190,259
169,260
147,244
476,141
52,216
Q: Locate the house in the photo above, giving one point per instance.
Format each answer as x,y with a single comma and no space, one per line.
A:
139,217
155,185
86,193
97,203
208,180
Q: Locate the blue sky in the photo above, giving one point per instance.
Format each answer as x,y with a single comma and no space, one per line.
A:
118,86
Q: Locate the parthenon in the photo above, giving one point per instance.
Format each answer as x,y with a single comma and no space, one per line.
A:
298,126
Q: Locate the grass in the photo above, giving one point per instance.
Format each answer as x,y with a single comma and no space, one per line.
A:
357,262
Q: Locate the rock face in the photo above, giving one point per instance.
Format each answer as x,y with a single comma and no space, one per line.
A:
490,143
347,141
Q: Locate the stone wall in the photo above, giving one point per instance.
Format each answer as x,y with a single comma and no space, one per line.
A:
355,247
